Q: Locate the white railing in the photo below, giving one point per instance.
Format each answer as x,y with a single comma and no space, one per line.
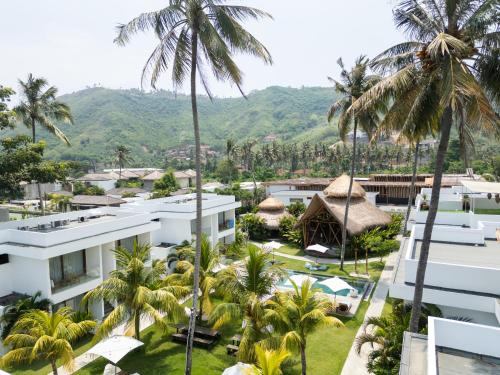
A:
452,234
468,337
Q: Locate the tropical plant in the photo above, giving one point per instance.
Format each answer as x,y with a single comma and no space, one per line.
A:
167,182
39,106
269,361
40,335
296,208
60,201
122,157
194,34
352,85
297,314
7,116
209,262
286,224
385,335
254,226
245,286
448,74
137,292
12,313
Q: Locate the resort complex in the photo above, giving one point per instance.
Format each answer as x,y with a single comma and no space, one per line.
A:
171,207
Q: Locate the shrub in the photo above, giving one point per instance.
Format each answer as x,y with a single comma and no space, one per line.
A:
296,208
295,236
286,224
393,229
254,226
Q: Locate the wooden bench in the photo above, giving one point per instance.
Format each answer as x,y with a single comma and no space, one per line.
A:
232,349
204,343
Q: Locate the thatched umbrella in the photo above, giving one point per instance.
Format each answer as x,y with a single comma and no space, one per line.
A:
272,210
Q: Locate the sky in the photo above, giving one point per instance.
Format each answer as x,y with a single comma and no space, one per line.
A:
70,43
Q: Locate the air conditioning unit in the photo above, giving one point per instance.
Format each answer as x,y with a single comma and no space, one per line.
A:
43,226
82,219
23,228
66,222
57,223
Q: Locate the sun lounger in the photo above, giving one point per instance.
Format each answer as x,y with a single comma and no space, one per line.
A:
232,349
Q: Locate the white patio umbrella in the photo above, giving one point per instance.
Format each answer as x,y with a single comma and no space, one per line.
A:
273,245
239,369
336,284
219,267
4,373
300,279
115,348
318,248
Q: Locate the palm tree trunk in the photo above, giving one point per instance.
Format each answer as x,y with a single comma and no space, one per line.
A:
446,122
54,367
196,276
366,260
38,186
303,358
412,187
348,201
137,325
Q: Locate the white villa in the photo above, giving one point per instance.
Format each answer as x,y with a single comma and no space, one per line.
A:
68,254
462,279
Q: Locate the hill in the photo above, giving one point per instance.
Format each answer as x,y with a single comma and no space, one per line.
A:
151,123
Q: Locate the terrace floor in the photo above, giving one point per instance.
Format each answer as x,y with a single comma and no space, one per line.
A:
462,254
455,362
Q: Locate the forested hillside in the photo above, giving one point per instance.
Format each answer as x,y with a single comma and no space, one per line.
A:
151,123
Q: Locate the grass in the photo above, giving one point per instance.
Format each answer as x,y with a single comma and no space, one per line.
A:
374,268
487,211
387,310
291,250
42,367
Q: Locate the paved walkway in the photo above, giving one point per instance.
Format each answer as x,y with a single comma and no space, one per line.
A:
355,363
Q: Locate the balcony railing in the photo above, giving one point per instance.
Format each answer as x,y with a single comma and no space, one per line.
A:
71,281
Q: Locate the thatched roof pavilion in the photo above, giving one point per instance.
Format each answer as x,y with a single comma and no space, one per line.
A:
272,210
323,219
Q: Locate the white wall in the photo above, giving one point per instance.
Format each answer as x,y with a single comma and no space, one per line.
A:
6,286
108,259
172,231
270,189
30,275
106,185
468,337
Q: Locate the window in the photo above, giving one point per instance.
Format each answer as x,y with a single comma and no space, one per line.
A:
4,258
67,267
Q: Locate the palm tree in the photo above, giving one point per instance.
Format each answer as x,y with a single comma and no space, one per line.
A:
39,106
122,156
352,85
244,286
12,313
269,361
137,292
297,314
40,335
193,34
209,260
447,74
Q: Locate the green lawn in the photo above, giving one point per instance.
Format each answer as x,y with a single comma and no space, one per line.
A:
374,268
43,368
487,211
291,250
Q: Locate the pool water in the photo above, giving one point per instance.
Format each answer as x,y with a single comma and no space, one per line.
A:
358,284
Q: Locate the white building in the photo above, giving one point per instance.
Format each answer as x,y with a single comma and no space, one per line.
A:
451,347
66,255
106,181
463,268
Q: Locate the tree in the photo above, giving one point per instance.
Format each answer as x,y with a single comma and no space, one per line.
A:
194,34
352,85
226,171
385,335
12,313
296,208
166,183
40,335
137,292
448,74
297,314
39,106
244,287
22,160
208,262
122,156
269,361
7,117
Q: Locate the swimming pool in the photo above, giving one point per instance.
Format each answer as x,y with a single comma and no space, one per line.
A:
360,285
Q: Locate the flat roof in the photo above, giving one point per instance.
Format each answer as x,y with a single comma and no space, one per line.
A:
462,254
457,362
482,186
